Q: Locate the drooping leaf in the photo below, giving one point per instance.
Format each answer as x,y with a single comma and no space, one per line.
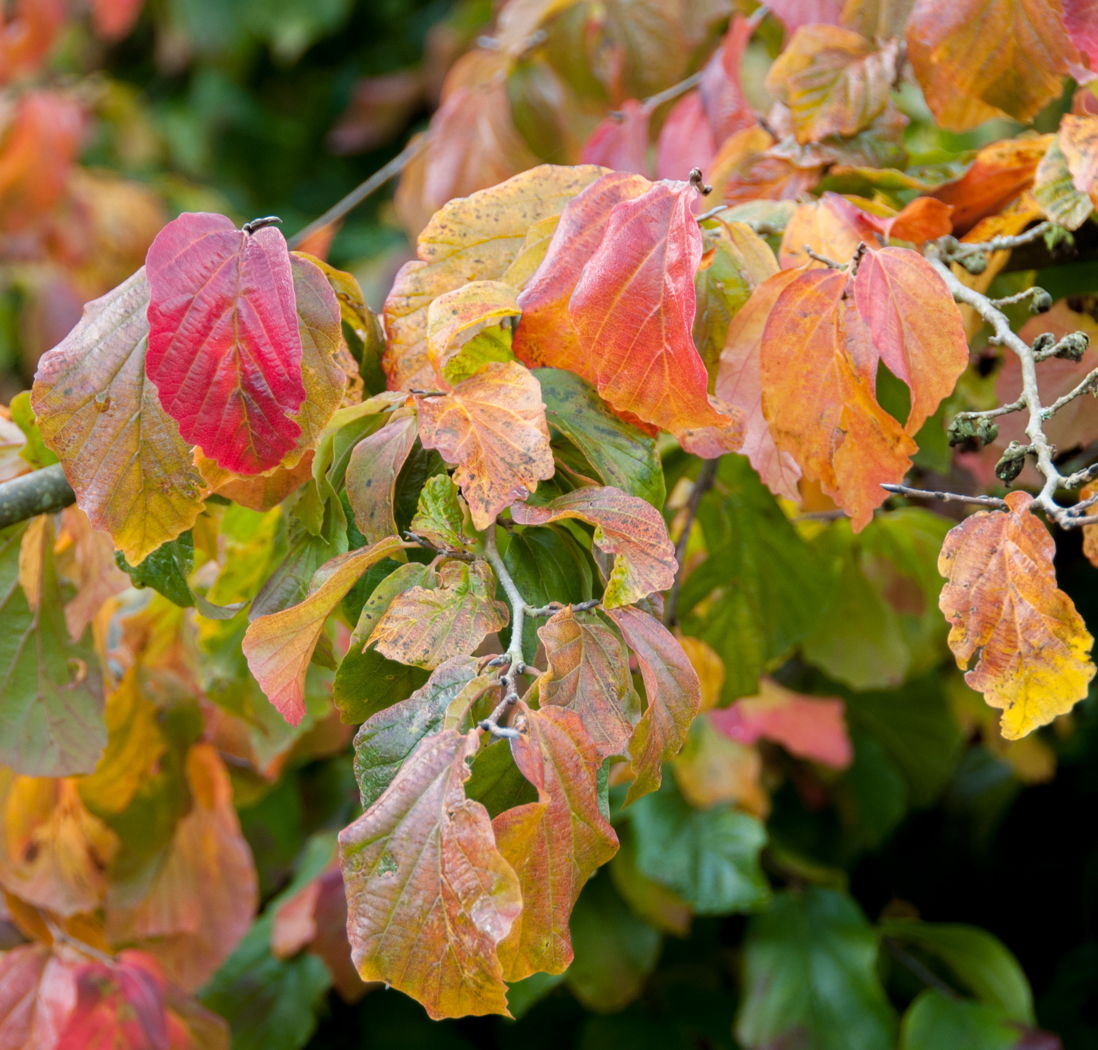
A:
372,473
620,142
429,896
674,696
132,472
555,844
709,857
231,294
1002,602
834,81
623,456
424,627
441,515
493,426
167,570
51,707
34,450
589,672
978,60
713,769
203,895
280,645
627,527
810,975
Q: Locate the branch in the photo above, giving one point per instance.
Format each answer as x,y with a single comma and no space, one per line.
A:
991,413
358,195
706,476
1087,386
997,244
946,497
43,491
446,552
515,664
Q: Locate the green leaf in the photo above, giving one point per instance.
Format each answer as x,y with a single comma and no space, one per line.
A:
763,588
34,451
492,344
709,857
496,782
614,950
979,960
647,898
421,465
441,515
289,582
51,707
936,1022
622,455
872,795
166,570
810,977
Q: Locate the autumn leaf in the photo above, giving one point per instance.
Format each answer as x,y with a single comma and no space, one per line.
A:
493,426
1090,532
589,673
1078,139
806,726
280,645
620,142
230,294
424,627
625,526
441,515
797,13
429,896
455,317
117,1005
1056,193
133,474
834,81
832,227
555,844
474,238
914,325
37,995
1081,23
686,140
97,576
674,697
372,473
203,891
713,769
1003,607
980,59
920,220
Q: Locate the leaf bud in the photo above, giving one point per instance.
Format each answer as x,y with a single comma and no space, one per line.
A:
970,435
1073,346
1041,302
1010,466
975,263
1045,341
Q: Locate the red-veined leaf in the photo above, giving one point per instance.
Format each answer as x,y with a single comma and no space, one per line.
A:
120,1006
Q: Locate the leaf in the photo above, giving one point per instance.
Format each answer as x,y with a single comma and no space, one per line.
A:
822,411
1082,27
674,697
614,950
1078,139
231,294
761,590
832,226
429,896
915,326
51,705
37,994
797,13
427,627
721,91
167,570
34,450
1055,191
622,455
922,219
739,383
441,515
936,1020
589,672
834,81
555,844
193,911
710,857
386,739
280,645
649,900
97,576
806,726
493,426
635,302
132,472
713,769
686,140
1002,602
456,317
474,238
372,473
978,59
625,526
620,142
810,975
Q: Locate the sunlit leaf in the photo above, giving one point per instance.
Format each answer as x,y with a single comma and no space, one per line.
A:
455,317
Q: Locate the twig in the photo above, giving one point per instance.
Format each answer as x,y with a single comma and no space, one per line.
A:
446,552
823,259
515,665
998,244
1087,386
706,476
946,497
358,195
681,88
555,607
61,937
991,413
43,491
1010,300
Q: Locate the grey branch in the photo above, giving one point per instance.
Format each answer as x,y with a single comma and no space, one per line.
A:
41,492
946,497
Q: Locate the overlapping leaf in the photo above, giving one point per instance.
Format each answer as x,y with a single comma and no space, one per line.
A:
1001,599
372,473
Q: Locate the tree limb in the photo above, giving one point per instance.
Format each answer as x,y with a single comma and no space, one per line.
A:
44,491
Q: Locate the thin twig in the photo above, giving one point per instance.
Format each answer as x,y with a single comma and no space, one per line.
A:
358,195
991,413
515,665
823,259
1087,386
946,497
706,476
446,552
1010,300
555,607
999,244
681,88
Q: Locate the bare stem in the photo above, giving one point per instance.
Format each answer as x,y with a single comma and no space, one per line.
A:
991,413
706,476
823,259
40,492
946,497
999,244
1087,386
516,664
447,552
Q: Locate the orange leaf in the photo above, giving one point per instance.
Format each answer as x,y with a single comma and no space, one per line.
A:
806,726
980,59
372,473
626,526
205,891
1004,608
280,645
493,426
259,492
40,148
674,697
915,326
555,844
426,626
832,227
589,673
1078,140
98,578
455,317
429,896
923,219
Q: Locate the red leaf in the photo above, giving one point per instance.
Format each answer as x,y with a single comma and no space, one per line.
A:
686,140
720,88
923,219
113,19
1081,23
620,142
797,13
118,1007
224,348
37,994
